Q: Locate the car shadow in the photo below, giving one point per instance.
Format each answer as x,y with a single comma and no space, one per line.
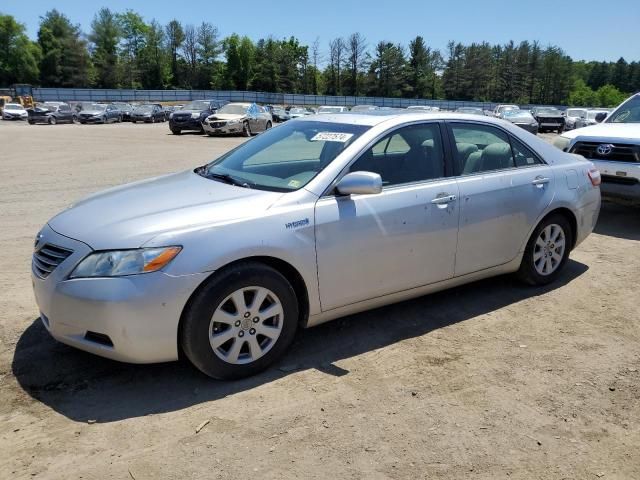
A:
85,387
620,221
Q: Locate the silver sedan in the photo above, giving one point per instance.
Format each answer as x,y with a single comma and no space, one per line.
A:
319,218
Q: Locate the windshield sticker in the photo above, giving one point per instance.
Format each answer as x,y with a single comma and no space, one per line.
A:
294,183
332,137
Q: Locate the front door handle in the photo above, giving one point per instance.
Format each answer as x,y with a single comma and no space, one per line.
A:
540,182
444,199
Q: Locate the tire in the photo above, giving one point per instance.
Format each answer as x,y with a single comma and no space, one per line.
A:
120,119
541,247
238,340
268,126
104,120
51,121
31,122
134,121
153,119
246,129
83,122
211,134
176,131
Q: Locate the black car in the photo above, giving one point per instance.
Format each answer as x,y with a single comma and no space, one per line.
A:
51,114
150,113
191,116
126,109
549,119
522,119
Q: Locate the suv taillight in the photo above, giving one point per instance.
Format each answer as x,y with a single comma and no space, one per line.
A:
594,176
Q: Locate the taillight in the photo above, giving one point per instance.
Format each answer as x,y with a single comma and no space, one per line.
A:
594,176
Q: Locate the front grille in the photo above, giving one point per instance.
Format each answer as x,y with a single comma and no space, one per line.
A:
553,120
47,258
621,152
619,180
181,118
217,124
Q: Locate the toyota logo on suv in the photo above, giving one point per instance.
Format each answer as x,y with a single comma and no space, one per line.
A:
605,149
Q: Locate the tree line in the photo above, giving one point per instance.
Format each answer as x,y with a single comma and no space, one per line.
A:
122,50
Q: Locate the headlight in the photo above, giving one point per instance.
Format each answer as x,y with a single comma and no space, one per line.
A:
116,263
562,143
195,115
171,115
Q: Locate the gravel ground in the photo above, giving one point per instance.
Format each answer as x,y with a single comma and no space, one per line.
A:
490,380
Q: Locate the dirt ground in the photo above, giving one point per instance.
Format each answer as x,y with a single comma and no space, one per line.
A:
490,380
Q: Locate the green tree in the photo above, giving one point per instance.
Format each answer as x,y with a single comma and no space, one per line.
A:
175,38
105,37
582,96
209,49
239,53
609,96
65,60
387,71
154,59
19,56
133,31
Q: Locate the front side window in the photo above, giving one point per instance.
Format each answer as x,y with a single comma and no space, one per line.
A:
286,158
409,154
481,148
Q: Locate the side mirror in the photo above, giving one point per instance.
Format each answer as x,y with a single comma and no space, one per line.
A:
601,116
359,183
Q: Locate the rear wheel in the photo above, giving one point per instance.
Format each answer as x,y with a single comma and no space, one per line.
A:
547,251
240,322
52,120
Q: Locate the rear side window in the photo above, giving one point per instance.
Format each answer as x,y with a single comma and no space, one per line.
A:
481,148
523,155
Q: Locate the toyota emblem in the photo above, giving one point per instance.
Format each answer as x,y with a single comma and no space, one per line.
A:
605,149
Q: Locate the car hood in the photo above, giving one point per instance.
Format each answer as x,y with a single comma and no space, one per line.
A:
92,112
618,131
21,111
130,215
226,116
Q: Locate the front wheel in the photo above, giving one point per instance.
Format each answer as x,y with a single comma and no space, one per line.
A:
246,129
52,120
268,126
547,251
176,131
240,322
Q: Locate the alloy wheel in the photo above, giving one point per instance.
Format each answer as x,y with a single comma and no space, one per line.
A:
549,249
246,325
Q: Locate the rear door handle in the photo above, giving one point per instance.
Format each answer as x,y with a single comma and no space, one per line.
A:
444,200
540,182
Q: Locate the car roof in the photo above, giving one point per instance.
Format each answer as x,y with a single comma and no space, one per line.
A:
397,116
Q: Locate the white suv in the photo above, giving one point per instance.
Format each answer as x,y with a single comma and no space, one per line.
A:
614,147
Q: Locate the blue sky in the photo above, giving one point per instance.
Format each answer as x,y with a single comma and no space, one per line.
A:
586,29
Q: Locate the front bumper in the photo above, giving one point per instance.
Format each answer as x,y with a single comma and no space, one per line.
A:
91,119
222,127
620,180
528,127
10,116
186,124
138,315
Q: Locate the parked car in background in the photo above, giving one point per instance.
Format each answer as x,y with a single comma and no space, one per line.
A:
100,113
191,116
169,109
549,119
500,109
279,114
125,109
522,119
297,112
14,111
614,147
238,118
308,222
575,118
149,113
331,109
596,115
363,108
470,110
51,113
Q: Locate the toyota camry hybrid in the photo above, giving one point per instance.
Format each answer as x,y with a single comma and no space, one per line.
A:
321,217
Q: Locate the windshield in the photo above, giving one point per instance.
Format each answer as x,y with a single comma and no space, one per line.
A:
548,111
232,109
628,112
288,157
144,108
297,110
12,106
518,115
576,113
197,105
507,108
